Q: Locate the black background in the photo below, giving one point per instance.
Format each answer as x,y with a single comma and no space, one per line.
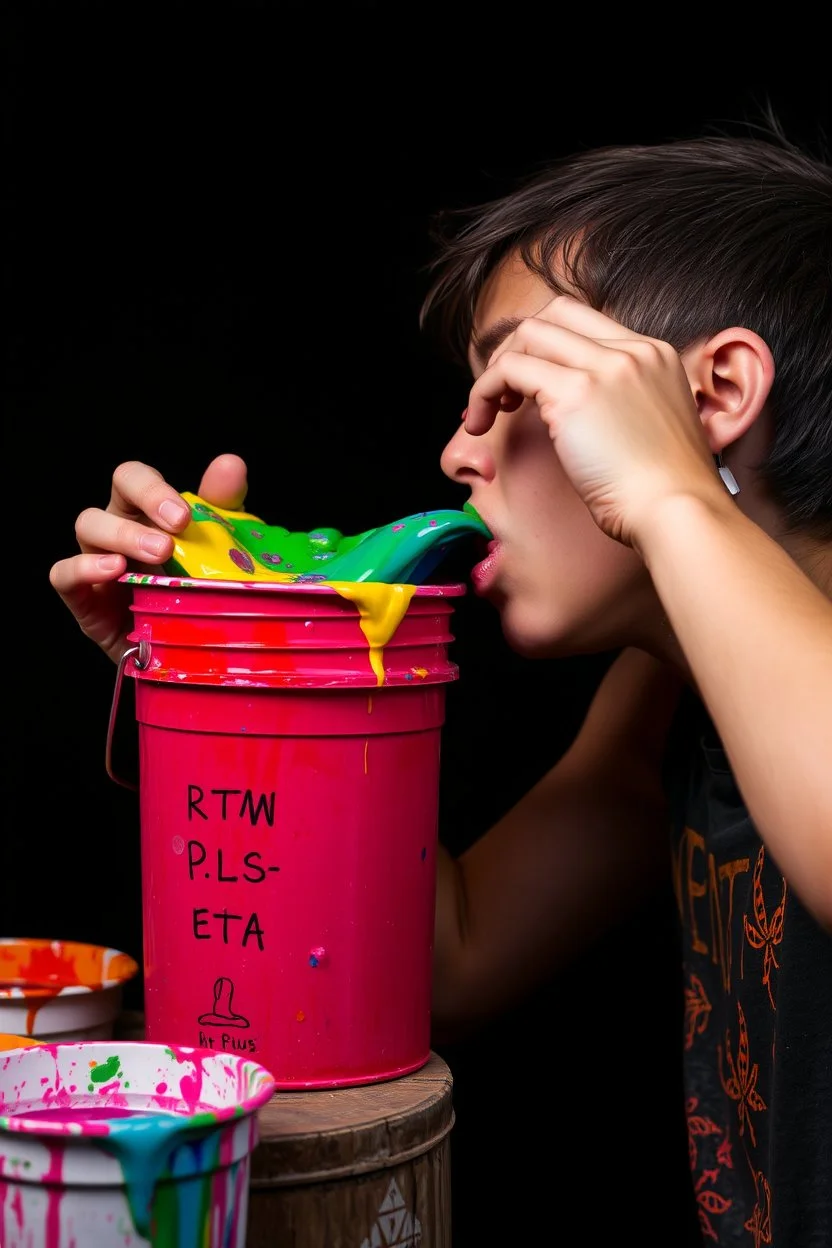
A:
216,236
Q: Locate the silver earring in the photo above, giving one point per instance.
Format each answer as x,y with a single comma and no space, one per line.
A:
728,478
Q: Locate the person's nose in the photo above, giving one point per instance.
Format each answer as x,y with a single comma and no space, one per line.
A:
466,458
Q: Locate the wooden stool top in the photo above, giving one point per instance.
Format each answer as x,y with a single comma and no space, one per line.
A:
325,1134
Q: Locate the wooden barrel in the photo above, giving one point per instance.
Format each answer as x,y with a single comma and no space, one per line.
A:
364,1167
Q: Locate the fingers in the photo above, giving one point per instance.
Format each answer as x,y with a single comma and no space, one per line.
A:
565,337
573,314
225,482
73,577
107,532
136,529
144,510
505,384
88,585
143,513
140,498
139,490
539,353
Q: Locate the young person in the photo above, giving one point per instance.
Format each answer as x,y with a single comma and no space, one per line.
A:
648,437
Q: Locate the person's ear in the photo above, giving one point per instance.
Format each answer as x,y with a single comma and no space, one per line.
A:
730,376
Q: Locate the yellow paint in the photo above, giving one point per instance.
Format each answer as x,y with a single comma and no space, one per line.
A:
381,608
203,548
366,748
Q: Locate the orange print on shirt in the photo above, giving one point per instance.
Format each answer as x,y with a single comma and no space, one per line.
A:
741,1084
765,933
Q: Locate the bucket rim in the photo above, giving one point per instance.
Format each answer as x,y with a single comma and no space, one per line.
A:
261,1084
454,589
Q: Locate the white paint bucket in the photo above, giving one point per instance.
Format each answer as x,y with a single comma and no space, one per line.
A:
130,1144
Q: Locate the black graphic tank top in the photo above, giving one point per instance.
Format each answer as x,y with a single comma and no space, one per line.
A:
758,1014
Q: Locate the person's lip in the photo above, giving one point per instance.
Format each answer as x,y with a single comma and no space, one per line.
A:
484,573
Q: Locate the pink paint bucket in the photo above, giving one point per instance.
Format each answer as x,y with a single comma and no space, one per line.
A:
135,1145
289,739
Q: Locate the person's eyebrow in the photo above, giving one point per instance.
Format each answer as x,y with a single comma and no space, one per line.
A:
484,344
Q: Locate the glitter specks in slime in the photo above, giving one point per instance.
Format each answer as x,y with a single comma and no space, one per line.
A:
106,1144
289,745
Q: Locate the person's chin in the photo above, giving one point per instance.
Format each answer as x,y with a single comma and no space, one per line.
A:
524,636
546,636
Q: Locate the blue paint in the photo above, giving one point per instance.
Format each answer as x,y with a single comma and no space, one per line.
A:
144,1145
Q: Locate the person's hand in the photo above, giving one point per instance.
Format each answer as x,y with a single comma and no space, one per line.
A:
618,405
133,533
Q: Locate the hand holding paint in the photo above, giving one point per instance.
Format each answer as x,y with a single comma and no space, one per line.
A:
134,532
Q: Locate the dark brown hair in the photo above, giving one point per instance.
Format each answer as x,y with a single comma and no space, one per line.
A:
678,240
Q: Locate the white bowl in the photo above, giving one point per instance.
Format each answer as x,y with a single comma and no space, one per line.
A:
57,990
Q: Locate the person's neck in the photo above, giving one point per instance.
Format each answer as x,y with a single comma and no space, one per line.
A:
813,556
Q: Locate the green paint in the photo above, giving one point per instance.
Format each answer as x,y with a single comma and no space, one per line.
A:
164,1222
105,1071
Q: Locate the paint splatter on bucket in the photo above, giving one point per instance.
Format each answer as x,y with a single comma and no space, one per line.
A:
131,1144
60,990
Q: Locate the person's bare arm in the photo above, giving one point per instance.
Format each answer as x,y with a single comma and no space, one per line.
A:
757,635
577,854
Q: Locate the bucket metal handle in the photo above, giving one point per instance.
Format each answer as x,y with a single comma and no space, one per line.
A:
141,660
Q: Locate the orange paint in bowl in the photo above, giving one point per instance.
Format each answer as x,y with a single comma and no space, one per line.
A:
61,990
15,1042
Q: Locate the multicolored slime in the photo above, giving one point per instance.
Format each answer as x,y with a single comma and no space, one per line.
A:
378,570
235,545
